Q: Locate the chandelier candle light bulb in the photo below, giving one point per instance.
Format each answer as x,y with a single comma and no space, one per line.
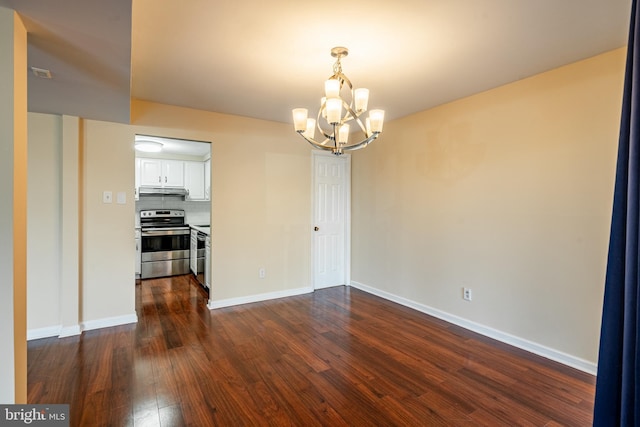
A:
332,88
377,120
311,128
343,135
334,110
341,104
362,99
300,119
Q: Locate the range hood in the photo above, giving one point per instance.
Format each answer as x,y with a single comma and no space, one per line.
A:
163,191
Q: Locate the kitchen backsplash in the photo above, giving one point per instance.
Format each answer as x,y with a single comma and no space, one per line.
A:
196,213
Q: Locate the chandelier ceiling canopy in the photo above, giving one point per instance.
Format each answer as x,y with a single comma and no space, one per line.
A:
341,108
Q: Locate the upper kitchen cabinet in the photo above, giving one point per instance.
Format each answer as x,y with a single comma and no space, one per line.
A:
194,180
173,172
164,165
161,173
150,172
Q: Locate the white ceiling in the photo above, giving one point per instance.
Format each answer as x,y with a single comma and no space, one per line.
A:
178,146
263,58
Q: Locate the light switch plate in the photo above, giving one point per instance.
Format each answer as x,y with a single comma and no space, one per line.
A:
107,197
121,198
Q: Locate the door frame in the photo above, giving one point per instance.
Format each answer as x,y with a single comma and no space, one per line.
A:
315,155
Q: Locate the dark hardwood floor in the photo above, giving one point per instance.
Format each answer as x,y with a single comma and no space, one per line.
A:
337,357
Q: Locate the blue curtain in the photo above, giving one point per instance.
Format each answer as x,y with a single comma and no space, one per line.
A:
617,400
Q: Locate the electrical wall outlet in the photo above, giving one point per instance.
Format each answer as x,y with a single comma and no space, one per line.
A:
262,273
466,294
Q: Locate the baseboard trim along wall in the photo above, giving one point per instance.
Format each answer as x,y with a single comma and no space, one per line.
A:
532,347
69,331
109,322
258,298
51,331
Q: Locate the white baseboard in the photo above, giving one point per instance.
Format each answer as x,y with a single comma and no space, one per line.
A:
257,298
70,331
532,347
48,332
109,322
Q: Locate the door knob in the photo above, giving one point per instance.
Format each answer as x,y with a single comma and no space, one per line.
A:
316,228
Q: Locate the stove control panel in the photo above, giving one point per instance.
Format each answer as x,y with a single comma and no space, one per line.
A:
169,213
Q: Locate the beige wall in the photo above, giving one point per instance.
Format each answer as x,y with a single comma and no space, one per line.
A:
108,245
13,217
508,192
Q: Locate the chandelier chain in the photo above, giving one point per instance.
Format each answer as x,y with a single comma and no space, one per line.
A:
337,67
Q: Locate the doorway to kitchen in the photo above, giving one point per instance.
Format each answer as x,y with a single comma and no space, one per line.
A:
173,205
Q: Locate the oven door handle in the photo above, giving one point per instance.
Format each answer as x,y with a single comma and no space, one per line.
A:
149,233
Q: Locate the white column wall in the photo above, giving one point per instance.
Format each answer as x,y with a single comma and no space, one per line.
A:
71,226
43,225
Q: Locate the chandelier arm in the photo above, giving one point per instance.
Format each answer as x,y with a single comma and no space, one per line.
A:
343,79
336,144
351,115
326,135
324,143
316,144
362,143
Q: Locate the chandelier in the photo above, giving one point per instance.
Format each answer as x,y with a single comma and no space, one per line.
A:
340,106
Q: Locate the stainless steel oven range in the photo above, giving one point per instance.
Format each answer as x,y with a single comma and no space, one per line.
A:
165,243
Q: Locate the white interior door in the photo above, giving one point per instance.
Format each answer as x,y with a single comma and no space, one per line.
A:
331,187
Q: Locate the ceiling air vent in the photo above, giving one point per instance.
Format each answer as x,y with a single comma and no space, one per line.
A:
41,72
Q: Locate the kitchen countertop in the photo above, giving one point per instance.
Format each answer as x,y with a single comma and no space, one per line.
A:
201,228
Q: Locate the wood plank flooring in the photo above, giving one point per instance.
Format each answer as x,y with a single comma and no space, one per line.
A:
337,357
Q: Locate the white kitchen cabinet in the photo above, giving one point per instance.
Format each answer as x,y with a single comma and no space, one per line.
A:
207,263
173,173
194,182
161,173
150,172
207,179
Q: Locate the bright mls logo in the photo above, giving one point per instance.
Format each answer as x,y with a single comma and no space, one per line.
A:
35,415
